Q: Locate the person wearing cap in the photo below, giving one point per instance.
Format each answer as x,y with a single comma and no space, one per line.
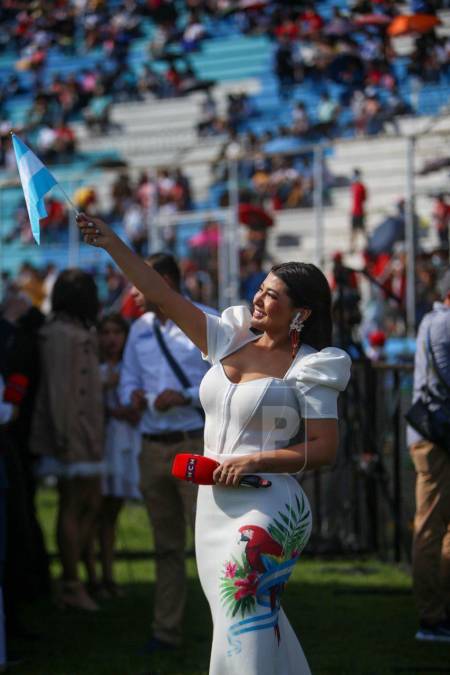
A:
431,543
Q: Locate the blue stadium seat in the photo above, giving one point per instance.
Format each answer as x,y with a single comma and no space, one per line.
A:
225,56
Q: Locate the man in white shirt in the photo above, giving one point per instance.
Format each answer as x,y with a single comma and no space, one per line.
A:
171,422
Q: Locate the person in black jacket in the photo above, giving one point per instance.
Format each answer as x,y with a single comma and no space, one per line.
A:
26,565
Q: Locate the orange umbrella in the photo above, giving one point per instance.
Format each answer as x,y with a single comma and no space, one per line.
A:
412,23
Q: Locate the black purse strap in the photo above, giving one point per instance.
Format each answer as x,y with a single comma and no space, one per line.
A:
176,368
434,363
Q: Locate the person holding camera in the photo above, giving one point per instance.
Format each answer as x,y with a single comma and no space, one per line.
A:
429,442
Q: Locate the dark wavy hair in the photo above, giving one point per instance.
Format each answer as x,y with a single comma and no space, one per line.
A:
165,264
308,287
75,295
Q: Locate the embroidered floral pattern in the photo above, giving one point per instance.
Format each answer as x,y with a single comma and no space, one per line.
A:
230,570
246,578
246,586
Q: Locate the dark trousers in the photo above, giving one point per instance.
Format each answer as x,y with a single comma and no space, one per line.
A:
26,566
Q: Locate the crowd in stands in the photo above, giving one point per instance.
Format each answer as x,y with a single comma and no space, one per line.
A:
266,186
132,203
168,191
36,30
349,57
53,227
274,181
385,311
383,249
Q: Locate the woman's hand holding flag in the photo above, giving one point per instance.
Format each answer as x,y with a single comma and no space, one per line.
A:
95,232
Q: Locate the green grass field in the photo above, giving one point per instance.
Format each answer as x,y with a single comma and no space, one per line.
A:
353,618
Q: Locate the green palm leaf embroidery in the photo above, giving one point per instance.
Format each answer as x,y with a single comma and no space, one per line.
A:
292,532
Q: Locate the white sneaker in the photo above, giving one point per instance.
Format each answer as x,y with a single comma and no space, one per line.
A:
440,632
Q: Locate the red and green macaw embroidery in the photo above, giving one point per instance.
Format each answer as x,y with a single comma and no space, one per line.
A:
258,575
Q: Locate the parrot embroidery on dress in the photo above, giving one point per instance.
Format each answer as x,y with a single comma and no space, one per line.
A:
257,577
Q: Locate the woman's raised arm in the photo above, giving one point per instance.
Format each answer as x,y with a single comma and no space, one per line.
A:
175,306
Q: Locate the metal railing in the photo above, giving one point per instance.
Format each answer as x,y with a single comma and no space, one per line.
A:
365,502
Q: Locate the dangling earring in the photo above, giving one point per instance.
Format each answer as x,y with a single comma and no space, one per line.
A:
295,329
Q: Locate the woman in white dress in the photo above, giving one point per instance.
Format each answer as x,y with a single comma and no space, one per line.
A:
270,405
120,480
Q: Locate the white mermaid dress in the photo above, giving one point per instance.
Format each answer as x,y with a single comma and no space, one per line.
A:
248,540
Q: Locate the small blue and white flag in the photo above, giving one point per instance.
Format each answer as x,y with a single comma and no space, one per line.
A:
36,181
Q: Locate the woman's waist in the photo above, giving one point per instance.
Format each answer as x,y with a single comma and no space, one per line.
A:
223,456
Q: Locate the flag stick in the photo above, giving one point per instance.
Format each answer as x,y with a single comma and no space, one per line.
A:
68,199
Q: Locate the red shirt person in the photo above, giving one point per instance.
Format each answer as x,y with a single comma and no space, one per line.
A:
358,200
441,219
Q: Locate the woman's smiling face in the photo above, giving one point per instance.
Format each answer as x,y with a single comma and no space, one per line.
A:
272,306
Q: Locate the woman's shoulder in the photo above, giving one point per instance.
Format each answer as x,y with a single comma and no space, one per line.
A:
328,367
66,330
237,317
64,322
229,331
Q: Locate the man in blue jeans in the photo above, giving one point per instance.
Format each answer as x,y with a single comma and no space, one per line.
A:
431,545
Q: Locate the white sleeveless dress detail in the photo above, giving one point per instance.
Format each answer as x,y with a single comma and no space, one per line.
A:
122,447
248,540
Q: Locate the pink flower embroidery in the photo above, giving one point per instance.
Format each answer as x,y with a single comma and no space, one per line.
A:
246,586
230,570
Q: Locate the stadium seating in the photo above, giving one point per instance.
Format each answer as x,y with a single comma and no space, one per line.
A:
157,133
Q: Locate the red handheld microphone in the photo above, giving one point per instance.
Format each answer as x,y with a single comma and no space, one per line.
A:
199,470
16,387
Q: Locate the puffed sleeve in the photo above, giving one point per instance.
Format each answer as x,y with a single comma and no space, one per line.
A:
319,379
227,332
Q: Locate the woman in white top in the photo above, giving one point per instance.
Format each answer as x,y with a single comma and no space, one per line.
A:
120,480
270,405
